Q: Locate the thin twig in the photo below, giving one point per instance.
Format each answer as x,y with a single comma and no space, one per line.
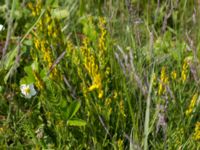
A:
132,143
168,15
17,60
128,68
103,124
147,113
142,87
70,87
9,30
56,62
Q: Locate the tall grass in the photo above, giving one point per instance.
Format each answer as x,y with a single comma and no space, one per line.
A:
107,74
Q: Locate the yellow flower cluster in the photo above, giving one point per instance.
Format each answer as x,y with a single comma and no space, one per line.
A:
107,102
121,108
39,83
163,81
92,68
35,9
173,75
102,48
1,130
197,131
107,105
184,71
102,40
70,48
47,56
192,104
73,54
115,95
53,30
46,24
45,36
120,144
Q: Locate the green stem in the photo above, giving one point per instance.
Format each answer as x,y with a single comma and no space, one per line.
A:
147,115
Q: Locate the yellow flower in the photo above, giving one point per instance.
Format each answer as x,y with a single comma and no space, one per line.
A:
163,81
183,76
101,43
100,94
92,68
121,107
115,95
197,131
184,71
109,111
92,87
192,105
173,75
154,79
108,101
50,29
37,43
39,83
120,144
35,9
107,71
1,130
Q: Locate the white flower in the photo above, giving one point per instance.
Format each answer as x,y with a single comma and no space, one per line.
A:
1,27
28,90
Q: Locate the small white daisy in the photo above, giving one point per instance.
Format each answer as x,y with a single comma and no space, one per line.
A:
28,90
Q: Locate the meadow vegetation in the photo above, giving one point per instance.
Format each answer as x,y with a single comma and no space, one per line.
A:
100,74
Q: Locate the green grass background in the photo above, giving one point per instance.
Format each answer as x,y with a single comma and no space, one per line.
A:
141,57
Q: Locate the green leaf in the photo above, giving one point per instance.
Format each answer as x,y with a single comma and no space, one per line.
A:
72,109
28,42
27,80
60,13
76,122
28,70
89,28
35,66
7,62
43,73
52,3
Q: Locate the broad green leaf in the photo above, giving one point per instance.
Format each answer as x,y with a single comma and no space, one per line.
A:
60,13
89,28
76,122
27,80
9,59
28,42
63,104
72,109
28,70
53,3
43,73
34,66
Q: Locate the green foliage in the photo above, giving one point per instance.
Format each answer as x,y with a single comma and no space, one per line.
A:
107,74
